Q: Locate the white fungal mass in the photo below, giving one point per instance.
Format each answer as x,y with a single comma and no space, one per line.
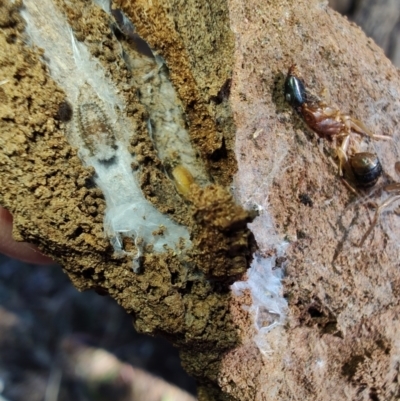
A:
102,133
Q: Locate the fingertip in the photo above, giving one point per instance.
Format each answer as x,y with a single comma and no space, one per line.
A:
18,250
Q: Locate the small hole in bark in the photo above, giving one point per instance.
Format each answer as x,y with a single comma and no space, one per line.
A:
11,38
301,234
305,200
220,153
373,394
89,183
314,312
78,232
349,368
174,278
223,93
88,273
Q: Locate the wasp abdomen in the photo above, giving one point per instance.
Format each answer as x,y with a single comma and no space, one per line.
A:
366,168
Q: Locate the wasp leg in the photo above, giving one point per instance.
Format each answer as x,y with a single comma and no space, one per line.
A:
359,127
392,188
350,187
341,152
329,111
325,94
397,168
378,212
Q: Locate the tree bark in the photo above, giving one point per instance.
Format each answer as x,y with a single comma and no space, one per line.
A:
329,331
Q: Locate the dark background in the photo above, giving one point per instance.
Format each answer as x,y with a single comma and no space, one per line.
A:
40,310
380,19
